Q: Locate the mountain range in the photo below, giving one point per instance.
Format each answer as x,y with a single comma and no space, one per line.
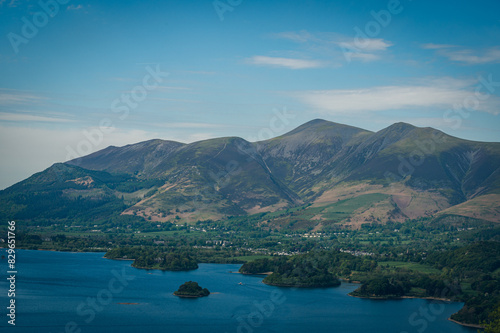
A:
322,173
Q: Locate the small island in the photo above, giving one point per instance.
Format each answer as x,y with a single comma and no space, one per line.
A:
191,289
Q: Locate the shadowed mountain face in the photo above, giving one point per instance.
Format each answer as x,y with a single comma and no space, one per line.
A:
339,173
302,156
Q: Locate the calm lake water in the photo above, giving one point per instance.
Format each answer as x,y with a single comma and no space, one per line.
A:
68,292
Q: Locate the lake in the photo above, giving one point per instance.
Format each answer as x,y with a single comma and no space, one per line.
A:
83,292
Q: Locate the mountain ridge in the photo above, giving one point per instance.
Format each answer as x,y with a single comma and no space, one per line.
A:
397,173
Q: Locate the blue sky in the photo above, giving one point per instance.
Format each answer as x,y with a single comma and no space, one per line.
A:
77,76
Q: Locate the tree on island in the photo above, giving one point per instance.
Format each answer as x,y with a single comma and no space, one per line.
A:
191,289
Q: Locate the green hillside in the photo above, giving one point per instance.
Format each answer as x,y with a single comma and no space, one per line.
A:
318,175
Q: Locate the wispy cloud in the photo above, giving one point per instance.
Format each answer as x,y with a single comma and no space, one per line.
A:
19,117
368,49
189,125
432,46
442,93
17,97
329,43
466,56
367,44
74,7
284,62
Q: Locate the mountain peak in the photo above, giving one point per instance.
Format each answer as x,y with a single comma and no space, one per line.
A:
317,126
401,126
318,121
319,162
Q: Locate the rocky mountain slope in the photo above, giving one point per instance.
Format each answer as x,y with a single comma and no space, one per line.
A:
336,173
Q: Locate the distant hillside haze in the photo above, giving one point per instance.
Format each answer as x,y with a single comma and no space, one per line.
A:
334,173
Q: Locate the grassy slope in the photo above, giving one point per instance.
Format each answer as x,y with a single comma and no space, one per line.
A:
340,170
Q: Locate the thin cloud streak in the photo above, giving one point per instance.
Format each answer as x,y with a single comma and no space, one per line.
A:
74,7
18,98
366,49
189,125
442,93
467,56
432,46
285,62
31,118
367,45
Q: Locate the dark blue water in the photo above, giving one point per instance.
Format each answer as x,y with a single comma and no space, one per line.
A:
81,292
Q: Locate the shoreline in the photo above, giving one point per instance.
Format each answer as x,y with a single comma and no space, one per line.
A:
465,324
301,287
263,273
378,298
268,273
416,297
190,296
403,297
121,259
160,269
349,281
431,298
56,250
